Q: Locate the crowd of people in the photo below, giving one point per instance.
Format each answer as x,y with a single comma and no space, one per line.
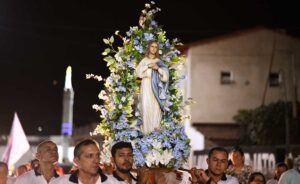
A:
223,168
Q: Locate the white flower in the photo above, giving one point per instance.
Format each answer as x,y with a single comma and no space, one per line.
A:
156,155
108,82
156,145
105,154
166,157
123,99
149,159
102,95
97,77
152,158
96,107
125,40
147,5
117,77
103,112
117,32
120,106
118,57
88,76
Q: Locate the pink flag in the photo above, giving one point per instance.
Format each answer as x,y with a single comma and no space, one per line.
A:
17,143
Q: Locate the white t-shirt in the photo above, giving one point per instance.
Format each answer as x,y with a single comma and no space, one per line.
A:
73,178
227,179
33,177
115,179
10,180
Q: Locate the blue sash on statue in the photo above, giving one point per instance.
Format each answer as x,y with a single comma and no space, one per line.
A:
160,88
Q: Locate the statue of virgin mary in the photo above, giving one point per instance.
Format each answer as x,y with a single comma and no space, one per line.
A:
155,76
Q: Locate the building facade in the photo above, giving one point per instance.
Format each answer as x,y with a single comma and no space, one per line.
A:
242,70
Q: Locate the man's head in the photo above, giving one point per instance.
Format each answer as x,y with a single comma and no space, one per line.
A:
3,172
217,161
122,156
281,167
87,156
47,152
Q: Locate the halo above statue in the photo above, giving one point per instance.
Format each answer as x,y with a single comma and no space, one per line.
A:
142,102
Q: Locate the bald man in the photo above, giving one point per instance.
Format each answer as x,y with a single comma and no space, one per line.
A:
45,172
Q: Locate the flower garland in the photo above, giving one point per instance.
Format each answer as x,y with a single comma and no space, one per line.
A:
167,146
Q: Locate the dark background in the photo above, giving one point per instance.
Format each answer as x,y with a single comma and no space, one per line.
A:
39,39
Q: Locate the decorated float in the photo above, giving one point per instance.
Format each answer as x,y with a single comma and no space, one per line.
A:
142,102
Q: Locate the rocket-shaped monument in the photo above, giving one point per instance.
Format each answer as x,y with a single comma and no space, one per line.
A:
67,115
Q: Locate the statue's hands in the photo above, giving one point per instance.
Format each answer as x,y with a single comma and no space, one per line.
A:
153,66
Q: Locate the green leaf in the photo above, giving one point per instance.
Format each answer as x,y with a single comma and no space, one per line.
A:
106,51
106,41
111,39
110,60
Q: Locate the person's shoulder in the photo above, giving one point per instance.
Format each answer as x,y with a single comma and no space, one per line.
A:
110,180
289,172
24,177
272,181
231,179
62,179
11,180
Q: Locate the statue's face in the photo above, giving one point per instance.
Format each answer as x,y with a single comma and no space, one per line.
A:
153,48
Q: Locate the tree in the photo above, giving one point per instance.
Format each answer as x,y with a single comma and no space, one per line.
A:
266,125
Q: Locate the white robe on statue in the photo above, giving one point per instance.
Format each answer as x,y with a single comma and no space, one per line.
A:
148,105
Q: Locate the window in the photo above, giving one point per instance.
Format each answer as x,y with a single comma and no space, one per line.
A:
275,79
226,77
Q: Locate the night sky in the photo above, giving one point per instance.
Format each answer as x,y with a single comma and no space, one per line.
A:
39,39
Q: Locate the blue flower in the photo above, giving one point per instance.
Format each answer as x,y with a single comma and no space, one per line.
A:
120,125
153,23
166,144
136,41
121,89
129,33
134,134
144,148
138,157
148,36
139,48
167,43
130,64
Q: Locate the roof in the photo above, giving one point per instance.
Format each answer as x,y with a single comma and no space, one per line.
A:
183,48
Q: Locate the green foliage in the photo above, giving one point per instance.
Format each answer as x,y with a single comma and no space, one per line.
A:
266,125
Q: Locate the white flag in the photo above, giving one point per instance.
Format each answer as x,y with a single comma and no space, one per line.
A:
17,144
